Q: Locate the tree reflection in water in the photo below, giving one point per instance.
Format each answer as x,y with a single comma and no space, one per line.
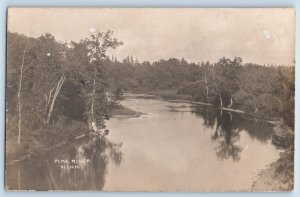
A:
227,136
91,176
227,127
43,173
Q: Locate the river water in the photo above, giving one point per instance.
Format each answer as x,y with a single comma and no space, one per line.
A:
173,146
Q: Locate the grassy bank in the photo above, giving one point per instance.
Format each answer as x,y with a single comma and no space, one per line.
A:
125,112
279,175
44,139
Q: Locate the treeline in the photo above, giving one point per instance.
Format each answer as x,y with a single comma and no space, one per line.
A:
56,91
266,91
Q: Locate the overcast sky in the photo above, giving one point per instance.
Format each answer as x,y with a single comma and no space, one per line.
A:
264,36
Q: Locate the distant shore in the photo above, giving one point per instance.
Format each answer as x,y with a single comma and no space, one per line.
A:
171,95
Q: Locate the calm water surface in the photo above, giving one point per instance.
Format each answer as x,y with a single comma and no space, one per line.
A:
174,146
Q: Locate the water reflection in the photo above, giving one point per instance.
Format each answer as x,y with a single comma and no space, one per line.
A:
177,147
227,136
81,165
173,148
227,128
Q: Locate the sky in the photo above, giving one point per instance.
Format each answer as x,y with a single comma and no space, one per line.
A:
263,36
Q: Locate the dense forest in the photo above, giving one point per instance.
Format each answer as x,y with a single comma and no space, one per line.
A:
264,91
59,90
56,91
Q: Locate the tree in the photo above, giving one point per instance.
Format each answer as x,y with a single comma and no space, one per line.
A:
19,93
48,80
95,93
286,91
227,79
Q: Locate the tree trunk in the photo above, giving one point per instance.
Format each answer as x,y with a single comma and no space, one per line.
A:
93,102
49,97
221,102
231,102
19,94
206,88
58,87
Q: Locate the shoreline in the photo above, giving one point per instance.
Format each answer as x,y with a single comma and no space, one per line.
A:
29,155
121,113
186,99
279,175
124,112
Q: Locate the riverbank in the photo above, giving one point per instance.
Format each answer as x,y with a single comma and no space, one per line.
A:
41,144
44,139
279,175
173,96
125,112
170,95
44,150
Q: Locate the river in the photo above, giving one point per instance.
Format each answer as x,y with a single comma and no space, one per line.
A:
172,146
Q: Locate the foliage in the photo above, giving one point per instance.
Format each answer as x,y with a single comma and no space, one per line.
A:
49,64
93,85
266,91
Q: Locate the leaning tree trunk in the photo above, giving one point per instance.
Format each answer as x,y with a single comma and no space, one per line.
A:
57,90
19,94
48,98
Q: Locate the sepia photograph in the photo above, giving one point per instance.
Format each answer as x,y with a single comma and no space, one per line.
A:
150,99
